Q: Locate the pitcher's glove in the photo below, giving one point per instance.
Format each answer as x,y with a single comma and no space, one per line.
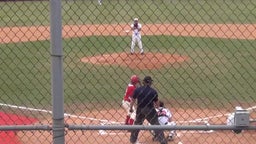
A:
135,25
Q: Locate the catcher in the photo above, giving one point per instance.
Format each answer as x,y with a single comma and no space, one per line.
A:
134,82
165,118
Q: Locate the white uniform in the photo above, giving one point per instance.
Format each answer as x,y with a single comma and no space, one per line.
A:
164,116
136,37
100,2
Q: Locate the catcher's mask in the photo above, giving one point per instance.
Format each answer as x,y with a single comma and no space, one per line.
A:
161,104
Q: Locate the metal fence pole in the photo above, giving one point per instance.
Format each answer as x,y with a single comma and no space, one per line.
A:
57,72
159,127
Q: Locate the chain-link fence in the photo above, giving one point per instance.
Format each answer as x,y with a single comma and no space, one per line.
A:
200,54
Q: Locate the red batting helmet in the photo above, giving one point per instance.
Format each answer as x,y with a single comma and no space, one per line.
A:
134,79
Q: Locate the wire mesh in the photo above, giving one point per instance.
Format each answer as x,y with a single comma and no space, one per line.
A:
201,55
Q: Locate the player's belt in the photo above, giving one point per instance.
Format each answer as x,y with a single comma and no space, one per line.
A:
128,100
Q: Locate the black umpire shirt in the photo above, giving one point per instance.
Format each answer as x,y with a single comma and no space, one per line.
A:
145,96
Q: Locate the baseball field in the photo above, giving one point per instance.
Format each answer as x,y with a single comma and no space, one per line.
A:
201,55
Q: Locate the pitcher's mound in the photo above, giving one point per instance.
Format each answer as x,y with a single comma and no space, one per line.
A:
136,61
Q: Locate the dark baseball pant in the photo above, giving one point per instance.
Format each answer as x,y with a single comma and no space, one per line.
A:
151,116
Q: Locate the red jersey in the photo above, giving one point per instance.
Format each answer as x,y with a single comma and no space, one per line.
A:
128,92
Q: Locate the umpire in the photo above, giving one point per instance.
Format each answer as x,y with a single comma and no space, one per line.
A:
146,96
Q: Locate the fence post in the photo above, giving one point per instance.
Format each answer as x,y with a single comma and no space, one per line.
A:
57,72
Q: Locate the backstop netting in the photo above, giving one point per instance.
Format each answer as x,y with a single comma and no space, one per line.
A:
200,54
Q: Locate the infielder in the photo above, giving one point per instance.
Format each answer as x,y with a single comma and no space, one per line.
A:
136,36
134,82
165,118
100,2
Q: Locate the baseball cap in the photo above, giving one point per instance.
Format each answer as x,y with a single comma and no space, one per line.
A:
136,19
147,79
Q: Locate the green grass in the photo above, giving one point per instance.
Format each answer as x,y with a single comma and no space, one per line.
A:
123,11
220,71
25,73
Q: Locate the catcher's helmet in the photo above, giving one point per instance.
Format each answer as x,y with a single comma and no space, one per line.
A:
161,104
134,79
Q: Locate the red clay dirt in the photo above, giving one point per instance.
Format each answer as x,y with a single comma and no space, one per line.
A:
150,61
106,117
35,33
136,61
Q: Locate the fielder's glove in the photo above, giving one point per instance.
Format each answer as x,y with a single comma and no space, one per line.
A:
135,25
